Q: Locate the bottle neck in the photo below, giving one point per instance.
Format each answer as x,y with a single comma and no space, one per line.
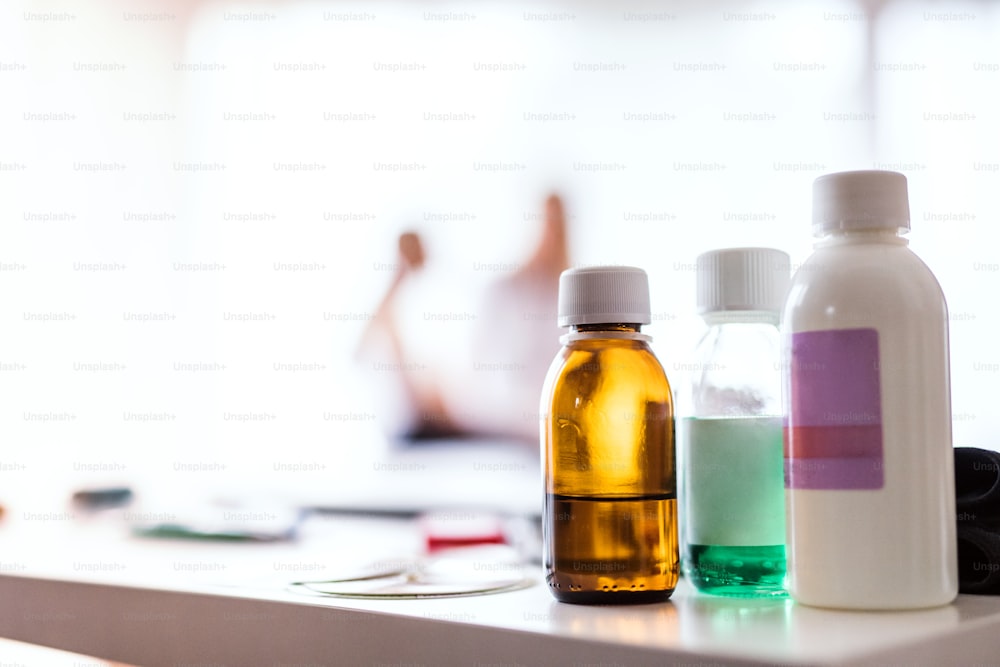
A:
604,331
749,317
593,328
893,236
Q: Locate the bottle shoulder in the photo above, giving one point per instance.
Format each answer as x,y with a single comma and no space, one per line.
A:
861,262
734,371
735,335
607,356
635,349
584,364
853,285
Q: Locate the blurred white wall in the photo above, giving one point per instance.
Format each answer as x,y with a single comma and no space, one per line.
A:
198,198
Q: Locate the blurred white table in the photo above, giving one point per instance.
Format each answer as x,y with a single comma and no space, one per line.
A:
90,589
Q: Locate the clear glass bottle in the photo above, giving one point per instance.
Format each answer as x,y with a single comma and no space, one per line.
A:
870,468
610,511
730,428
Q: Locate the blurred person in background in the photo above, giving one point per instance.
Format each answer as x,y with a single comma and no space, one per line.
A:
494,388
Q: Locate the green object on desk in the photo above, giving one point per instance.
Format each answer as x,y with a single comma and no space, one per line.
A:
212,522
189,532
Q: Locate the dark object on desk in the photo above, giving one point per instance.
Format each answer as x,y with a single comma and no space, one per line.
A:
977,501
93,500
978,559
977,480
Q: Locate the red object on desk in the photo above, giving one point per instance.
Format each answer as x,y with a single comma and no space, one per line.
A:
450,529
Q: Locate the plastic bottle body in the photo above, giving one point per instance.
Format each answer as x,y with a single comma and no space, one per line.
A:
869,463
610,513
730,453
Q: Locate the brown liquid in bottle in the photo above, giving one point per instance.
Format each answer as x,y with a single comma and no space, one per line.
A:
610,519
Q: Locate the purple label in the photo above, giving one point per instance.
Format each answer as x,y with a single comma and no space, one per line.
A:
833,438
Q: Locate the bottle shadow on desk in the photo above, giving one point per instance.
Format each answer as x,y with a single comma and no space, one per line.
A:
764,628
650,624
847,631
780,628
713,618
783,623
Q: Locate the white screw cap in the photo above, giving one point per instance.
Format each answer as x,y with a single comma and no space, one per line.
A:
858,200
604,295
747,280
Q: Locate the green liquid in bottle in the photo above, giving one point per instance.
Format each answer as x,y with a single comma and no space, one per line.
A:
737,571
734,494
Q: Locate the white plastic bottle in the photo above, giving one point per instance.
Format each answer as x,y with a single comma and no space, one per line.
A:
868,455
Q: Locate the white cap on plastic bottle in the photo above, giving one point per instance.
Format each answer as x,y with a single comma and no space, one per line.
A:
750,281
604,295
859,200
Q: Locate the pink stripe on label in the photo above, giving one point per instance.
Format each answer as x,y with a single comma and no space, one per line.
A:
833,437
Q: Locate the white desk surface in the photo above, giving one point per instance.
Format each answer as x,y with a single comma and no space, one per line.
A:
85,587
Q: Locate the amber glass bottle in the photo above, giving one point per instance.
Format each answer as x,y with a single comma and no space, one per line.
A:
610,512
